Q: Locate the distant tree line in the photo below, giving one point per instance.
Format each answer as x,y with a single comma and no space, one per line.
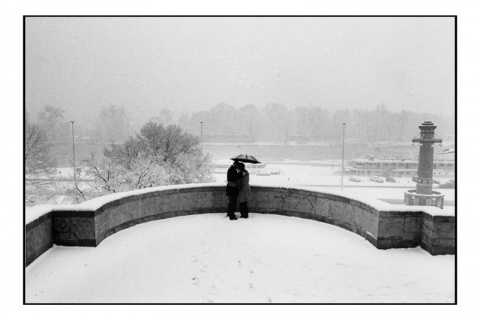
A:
112,125
275,122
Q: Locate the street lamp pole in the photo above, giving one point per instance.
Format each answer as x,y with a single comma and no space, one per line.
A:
73,143
343,153
201,135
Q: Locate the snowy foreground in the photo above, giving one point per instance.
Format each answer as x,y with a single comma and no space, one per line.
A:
265,259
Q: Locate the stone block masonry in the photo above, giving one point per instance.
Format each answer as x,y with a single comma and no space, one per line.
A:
383,225
38,237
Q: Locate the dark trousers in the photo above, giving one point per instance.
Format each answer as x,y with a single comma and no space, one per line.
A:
243,209
232,205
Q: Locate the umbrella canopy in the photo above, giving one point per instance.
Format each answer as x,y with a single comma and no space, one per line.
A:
245,158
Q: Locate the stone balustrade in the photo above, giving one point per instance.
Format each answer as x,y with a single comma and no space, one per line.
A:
384,225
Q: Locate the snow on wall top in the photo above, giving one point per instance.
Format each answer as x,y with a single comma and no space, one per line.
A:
36,212
33,213
375,203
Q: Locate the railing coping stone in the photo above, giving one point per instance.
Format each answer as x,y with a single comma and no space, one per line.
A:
36,212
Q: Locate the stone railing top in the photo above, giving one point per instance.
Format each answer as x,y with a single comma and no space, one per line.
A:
34,213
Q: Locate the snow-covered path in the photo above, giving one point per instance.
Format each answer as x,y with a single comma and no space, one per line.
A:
265,259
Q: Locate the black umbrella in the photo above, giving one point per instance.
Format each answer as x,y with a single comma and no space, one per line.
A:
245,158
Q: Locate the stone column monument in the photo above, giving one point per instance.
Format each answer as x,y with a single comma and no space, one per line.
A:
423,195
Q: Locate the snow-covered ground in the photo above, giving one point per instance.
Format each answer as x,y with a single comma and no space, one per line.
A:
306,173
264,259
326,178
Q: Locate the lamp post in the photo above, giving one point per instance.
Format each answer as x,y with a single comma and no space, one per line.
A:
343,153
73,143
201,135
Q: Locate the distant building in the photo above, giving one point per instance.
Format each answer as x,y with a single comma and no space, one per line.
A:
443,166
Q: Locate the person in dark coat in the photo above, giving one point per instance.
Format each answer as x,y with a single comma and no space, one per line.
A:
244,192
232,191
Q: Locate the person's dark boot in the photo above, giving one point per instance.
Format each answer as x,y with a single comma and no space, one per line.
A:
232,217
243,210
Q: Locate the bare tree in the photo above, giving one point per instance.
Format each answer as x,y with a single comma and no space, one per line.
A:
36,151
38,166
110,177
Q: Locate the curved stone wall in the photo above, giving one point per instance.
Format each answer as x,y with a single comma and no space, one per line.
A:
383,225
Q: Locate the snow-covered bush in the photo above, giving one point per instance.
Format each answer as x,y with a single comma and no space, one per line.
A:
157,156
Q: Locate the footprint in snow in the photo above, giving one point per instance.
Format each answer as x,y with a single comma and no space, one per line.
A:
213,290
408,284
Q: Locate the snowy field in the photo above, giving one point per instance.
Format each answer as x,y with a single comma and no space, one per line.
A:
322,178
264,259
328,179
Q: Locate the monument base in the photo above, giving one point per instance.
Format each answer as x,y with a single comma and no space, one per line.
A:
412,198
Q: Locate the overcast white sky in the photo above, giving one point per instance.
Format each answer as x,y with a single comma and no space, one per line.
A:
192,64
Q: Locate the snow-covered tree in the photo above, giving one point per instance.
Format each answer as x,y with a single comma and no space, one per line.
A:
155,157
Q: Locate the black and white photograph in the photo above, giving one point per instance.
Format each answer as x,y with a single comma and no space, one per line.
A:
240,159
255,159
250,160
